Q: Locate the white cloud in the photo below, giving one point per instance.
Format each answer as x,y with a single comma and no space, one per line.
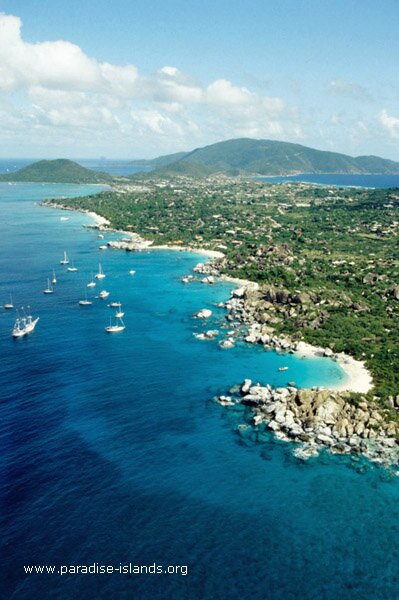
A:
154,121
221,92
348,89
57,90
389,123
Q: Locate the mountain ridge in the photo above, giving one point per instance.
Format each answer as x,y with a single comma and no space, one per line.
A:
247,156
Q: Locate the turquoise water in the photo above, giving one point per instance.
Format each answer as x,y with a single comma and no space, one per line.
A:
340,180
113,452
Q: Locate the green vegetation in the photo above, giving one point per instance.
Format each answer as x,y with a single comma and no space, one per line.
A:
56,171
265,157
327,258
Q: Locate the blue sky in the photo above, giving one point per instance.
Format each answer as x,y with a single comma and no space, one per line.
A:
139,79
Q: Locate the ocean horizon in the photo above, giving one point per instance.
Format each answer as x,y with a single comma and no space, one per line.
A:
114,453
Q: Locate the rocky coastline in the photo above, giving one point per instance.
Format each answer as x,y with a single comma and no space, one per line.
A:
319,419
315,418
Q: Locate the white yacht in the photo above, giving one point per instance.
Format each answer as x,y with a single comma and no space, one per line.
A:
24,326
9,305
100,274
49,289
119,313
103,247
72,269
114,304
132,272
85,302
118,326
103,294
65,260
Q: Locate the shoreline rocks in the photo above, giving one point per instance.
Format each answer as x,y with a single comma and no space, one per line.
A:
204,313
320,418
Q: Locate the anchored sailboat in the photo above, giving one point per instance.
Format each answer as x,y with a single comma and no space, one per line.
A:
91,283
100,274
65,260
118,326
49,289
72,269
54,279
8,305
24,326
85,302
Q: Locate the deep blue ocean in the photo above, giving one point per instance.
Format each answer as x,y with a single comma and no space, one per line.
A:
113,452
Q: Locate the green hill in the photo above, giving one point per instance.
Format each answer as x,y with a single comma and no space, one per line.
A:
56,171
266,157
160,161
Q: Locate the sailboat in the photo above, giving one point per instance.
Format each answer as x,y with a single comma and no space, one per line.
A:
100,274
49,288
54,279
91,283
118,326
72,269
85,302
103,294
119,313
24,326
8,305
114,304
65,260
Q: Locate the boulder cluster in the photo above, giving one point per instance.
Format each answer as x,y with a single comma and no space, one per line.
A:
318,418
269,306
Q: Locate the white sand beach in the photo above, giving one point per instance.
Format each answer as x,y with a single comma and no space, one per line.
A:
358,377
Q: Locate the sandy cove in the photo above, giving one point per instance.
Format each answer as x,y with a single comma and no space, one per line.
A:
358,377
